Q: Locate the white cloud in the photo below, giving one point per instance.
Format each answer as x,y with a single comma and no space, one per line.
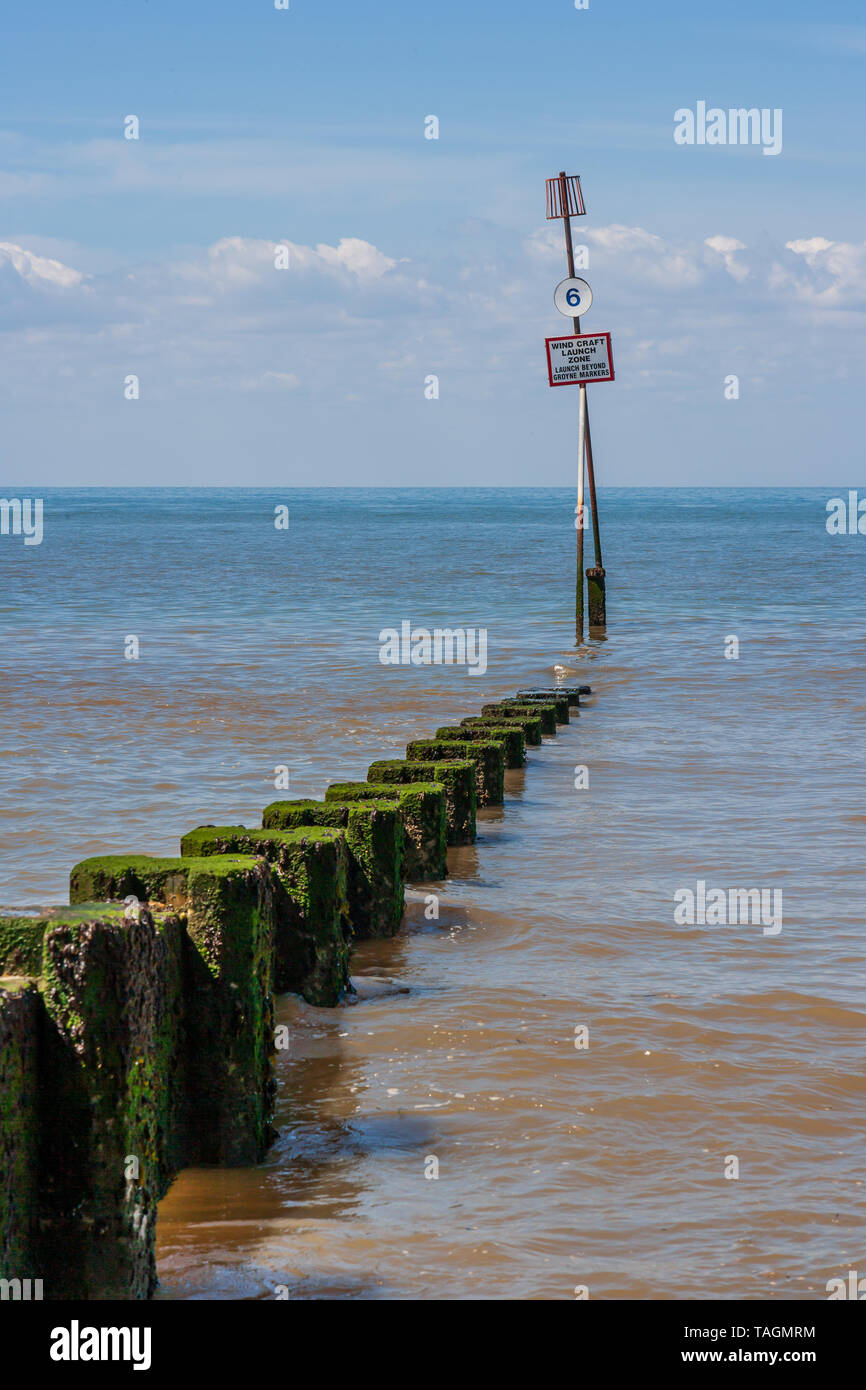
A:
618,239
242,263
270,380
39,271
830,274
353,319
630,252
811,248
727,247
359,257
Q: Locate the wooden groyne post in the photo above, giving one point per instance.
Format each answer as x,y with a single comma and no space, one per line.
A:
137,1023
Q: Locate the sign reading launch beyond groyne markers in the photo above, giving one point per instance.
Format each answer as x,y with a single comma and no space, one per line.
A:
579,358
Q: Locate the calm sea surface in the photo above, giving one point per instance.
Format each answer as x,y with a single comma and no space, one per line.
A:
558,1167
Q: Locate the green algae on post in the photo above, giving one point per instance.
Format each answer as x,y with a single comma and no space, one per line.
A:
572,692
154,1035
555,705
457,780
293,815
116,876
488,758
509,736
230,922
422,809
112,1091
228,905
375,840
20,1021
21,945
312,931
559,701
458,735
529,726
515,709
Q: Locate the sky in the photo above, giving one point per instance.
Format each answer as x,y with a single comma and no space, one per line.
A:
148,337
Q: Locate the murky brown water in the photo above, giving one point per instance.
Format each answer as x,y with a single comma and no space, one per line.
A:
557,1167
561,1167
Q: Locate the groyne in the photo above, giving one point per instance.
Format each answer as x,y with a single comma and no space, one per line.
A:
137,1022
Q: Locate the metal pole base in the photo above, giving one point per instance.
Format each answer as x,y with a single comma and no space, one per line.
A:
595,596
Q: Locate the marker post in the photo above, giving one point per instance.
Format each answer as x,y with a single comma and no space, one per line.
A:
564,199
578,520
595,590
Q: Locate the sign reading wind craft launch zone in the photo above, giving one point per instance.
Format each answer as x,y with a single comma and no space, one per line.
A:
581,357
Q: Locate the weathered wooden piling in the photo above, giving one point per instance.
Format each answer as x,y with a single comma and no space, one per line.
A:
228,905
312,924
488,757
573,692
534,709
559,701
20,1128
375,841
596,603
529,727
457,779
116,1083
509,737
422,810
136,1037
111,1079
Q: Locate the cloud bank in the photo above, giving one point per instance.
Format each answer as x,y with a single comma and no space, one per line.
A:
294,331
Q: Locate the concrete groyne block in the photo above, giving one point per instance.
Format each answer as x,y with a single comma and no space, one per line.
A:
488,757
457,779
375,841
312,928
423,812
227,906
517,709
529,726
510,737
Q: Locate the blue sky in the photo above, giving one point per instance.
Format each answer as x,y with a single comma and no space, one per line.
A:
412,257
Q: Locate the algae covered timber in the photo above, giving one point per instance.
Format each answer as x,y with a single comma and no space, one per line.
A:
136,1024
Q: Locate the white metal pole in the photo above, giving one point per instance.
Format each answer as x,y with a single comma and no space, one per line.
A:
578,520
581,454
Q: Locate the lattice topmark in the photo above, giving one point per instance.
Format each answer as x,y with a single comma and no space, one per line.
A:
564,197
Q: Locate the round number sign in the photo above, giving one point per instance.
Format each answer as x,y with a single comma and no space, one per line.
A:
572,297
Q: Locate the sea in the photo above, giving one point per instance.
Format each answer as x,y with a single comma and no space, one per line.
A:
560,1086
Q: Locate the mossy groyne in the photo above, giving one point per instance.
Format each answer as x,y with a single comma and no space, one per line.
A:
137,1022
